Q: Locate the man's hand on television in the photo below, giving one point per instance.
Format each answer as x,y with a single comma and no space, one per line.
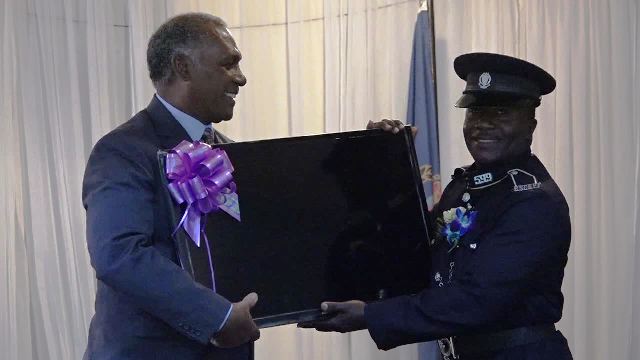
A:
393,126
239,328
344,317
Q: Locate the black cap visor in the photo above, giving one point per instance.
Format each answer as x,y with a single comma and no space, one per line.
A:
470,99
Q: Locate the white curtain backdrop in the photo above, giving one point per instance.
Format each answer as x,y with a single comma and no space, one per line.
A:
64,82
71,70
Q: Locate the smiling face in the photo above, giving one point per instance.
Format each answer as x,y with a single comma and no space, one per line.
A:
498,134
215,77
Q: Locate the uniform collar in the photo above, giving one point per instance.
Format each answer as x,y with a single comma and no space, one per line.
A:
193,127
477,177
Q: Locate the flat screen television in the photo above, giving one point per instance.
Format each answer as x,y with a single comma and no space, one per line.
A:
334,217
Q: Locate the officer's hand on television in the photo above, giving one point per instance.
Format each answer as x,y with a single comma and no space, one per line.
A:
393,126
239,328
344,317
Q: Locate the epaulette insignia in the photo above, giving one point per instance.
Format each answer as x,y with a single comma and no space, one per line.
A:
523,187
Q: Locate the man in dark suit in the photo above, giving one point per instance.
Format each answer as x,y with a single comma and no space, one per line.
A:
502,233
147,306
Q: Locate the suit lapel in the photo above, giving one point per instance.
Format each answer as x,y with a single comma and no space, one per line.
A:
170,133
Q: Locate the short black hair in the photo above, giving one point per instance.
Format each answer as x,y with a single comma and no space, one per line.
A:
178,35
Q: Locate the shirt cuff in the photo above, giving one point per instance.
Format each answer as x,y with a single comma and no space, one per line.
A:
225,319
222,324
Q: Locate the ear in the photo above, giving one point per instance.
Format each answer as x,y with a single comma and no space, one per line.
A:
531,127
182,66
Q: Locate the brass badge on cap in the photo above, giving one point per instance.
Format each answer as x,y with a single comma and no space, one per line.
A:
484,81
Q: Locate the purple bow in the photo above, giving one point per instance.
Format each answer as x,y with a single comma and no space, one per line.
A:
200,177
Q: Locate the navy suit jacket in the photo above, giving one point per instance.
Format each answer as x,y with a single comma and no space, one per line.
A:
147,306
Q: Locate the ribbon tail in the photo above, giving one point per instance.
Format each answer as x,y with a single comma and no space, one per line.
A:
190,221
213,275
184,217
192,224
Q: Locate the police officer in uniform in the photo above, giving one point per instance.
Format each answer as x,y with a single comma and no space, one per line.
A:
502,233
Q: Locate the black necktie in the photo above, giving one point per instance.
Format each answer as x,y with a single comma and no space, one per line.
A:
208,136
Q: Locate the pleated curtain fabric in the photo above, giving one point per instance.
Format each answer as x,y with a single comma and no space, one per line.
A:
72,70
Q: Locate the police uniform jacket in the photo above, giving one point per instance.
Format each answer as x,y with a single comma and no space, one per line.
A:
505,272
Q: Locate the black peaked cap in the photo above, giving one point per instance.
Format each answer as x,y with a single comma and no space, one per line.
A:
494,79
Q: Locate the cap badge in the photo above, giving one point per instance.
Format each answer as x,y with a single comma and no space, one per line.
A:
484,81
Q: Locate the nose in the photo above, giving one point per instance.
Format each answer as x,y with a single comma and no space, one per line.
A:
485,122
240,79
482,120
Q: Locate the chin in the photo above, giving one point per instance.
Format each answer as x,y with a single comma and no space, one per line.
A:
485,160
223,117
487,163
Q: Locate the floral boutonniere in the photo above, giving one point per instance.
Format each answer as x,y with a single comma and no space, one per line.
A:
455,223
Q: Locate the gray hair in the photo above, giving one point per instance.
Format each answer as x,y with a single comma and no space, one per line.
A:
180,35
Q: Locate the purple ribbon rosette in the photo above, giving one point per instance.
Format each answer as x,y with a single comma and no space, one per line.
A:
200,177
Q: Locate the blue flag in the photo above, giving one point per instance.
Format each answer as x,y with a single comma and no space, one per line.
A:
421,113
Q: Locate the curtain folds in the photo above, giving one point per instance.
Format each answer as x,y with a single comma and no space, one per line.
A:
63,86
71,70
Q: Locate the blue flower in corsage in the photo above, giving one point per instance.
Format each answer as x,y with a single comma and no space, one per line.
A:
457,222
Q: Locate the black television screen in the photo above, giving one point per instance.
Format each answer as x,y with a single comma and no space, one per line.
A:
329,217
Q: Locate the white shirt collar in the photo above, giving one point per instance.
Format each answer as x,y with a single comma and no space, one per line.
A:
191,125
